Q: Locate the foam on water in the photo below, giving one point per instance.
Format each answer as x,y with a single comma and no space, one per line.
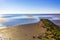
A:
2,26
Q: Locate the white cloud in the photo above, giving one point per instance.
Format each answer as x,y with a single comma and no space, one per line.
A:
26,12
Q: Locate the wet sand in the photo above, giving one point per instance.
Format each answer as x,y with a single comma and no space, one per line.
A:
23,32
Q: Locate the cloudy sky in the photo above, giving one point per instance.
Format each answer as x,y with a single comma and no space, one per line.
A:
29,6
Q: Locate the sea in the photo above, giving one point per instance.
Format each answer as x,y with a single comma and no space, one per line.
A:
20,19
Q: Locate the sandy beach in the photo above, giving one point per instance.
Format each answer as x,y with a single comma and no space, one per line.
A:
23,32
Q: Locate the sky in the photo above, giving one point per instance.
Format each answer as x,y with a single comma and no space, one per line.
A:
29,6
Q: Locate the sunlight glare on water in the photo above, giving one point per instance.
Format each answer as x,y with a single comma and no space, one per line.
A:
20,20
3,19
2,26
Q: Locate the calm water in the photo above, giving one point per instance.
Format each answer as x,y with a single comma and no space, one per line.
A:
19,21
15,22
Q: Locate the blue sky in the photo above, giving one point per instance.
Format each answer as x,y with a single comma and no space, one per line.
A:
29,6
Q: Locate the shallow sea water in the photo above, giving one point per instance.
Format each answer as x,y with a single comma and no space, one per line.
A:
18,19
